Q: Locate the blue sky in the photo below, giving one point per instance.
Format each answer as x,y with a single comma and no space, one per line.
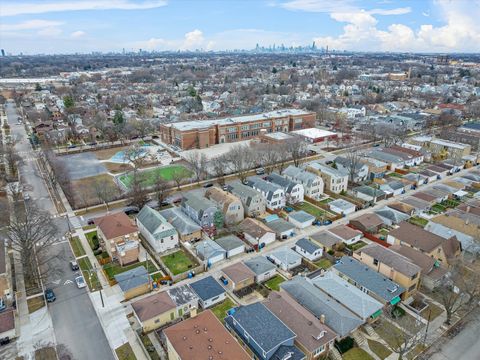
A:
63,26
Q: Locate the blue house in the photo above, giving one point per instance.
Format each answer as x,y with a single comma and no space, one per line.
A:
262,331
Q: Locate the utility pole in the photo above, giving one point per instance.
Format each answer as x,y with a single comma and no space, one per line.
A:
101,295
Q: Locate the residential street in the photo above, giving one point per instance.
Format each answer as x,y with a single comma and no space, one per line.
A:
76,325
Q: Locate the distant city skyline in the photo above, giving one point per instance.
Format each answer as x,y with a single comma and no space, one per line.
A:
70,26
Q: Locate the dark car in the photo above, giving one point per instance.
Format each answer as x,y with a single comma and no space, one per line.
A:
50,295
91,222
73,265
131,210
207,185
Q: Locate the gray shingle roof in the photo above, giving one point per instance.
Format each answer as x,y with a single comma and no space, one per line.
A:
152,220
230,242
262,185
207,288
301,175
280,226
391,258
301,216
370,279
197,202
182,295
132,278
207,249
307,245
326,239
286,255
261,325
180,221
259,265
285,183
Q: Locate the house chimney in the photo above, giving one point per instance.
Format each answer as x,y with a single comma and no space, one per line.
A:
468,209
193,312
322,319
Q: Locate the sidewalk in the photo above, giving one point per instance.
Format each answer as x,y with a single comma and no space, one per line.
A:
37,332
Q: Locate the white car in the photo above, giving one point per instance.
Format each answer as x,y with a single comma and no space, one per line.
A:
80,282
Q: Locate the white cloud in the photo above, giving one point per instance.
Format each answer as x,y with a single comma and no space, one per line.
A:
321,6
20,8
396,11
30,25
78,34
50,32
193,40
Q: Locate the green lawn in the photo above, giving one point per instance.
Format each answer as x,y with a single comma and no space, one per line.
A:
112,269
357,245
438,208
90,237
77,247
389,332
450,203
418,221
379,349
323,263
433,310
125,352
274,282
90,276
220,310
177,262
356,354
311,209
394,174
89,227
326,201
151,175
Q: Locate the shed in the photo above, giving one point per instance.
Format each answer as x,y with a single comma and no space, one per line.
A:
134,282
208,250
232,245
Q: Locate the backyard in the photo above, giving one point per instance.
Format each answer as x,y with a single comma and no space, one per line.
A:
356,354
150,176
415,220
311,209
323,263
113,269
379,349
92,238
125,352
220,310
356,246
274,282
177,262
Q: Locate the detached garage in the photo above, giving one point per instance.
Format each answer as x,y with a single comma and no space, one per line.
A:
232,245
301,219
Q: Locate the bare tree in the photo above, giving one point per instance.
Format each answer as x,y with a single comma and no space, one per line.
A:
297,150
268,155
241,159
12,159
161,190
138,193
352,163
104,191
219,165
31,234
197,162
179,175
134,155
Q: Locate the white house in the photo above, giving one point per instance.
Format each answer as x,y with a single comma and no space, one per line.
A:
312,184
232,245
361,169
308,249
294,191
209,251
159,233
273,194
209,292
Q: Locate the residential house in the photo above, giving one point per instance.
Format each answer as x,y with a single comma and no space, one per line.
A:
185,299
273,193
391,264
262,267
308,249
253,202
314,338
444,250
342,207
229,205
294,192
394,187
376,168
232,245
154,311
285,258
418,205
260,330
193,338
209,291
301,219
257,233
327,240
199,209
134,282
402,207
159,233
369,193
331,313
371,282
346,234
335,180
352,298
393,161
238,276
120,236
360,173
433,273
188,230
368,223
5,287
209,251
391,216
313,184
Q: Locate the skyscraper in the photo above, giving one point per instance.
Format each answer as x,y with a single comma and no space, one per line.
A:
3,52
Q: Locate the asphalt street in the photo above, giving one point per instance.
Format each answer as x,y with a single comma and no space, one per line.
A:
77,328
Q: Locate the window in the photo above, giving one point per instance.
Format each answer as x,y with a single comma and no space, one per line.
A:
172,316
414,276
375,262
411,288
267,124
157,321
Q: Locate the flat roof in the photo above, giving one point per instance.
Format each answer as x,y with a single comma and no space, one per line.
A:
314,133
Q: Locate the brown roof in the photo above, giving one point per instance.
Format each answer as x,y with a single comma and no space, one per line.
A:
220,197
305,325
345,232
370,220
7,321
455,184
402,207
238,272
115,225
469,209
154,305
412,152
204,337
455,223
452,247
3,267
254,228
417,237
425,197
427,263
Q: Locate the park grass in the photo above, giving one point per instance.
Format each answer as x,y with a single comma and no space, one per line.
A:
378,349
91,277
112,269
356,354
323,263
274,282
150,176
35,303
83,190
93,243
221,309
77,247
311,209
177,262
125,352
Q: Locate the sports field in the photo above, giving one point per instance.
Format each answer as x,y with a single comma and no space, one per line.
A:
152,174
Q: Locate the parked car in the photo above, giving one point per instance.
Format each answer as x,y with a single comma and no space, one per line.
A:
74,265
131,210
26,196
4,341
50,295
91,222
80,282
260,171
3,306
207,185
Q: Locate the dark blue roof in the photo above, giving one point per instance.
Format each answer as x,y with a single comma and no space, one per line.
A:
207,288
132,278
288,352
262,326
475,126
307,245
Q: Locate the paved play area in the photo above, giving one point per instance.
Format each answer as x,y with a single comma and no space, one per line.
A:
82,165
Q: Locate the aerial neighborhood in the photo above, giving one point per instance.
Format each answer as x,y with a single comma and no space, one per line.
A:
324,207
